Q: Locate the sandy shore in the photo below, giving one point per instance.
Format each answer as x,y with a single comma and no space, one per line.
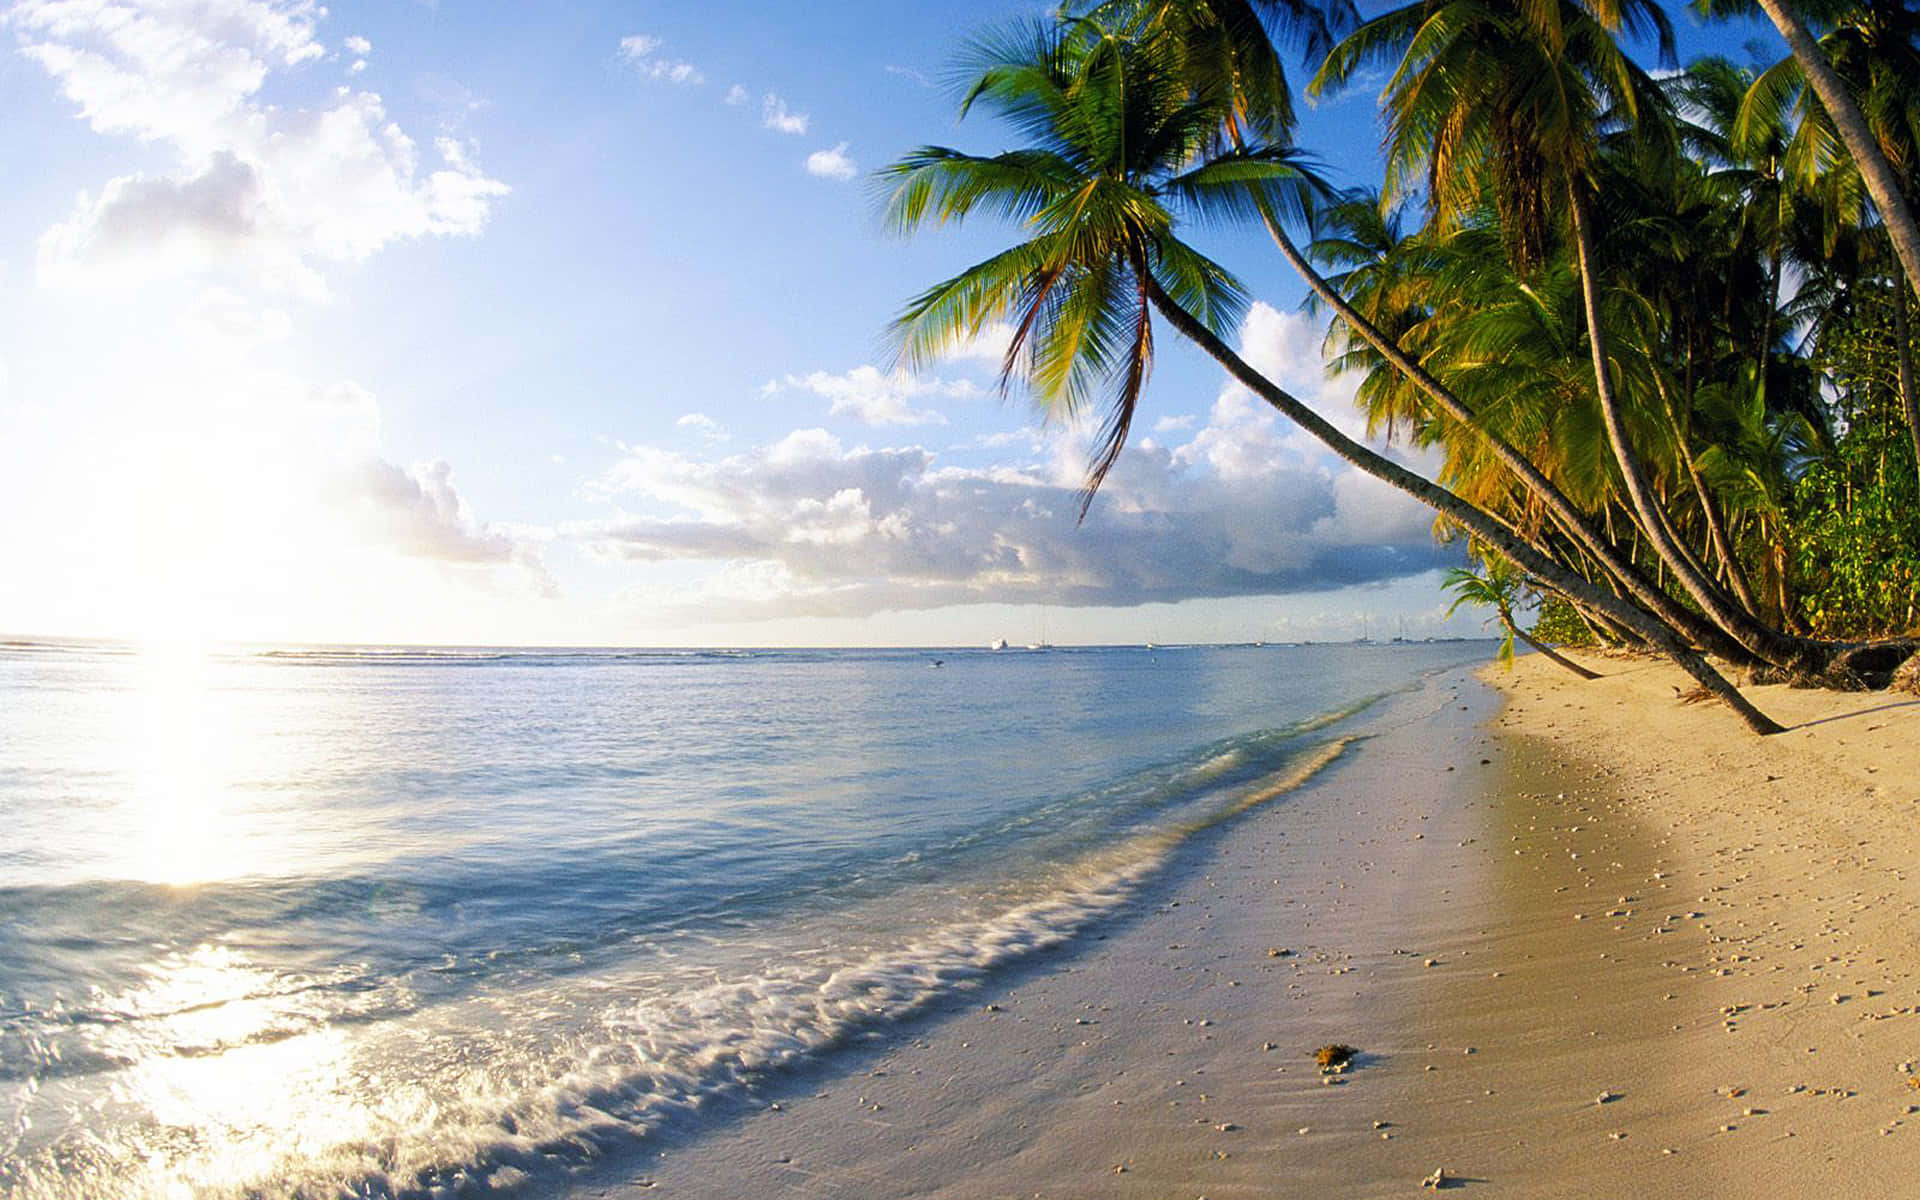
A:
1590,941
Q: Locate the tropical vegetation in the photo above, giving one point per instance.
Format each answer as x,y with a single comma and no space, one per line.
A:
1655,324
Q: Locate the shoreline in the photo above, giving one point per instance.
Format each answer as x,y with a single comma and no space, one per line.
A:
1571,952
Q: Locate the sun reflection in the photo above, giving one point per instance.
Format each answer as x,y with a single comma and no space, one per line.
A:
188,829
227,1054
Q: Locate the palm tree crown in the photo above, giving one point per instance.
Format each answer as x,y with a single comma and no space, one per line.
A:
1121,149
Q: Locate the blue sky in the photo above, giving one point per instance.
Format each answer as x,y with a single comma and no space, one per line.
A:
487,322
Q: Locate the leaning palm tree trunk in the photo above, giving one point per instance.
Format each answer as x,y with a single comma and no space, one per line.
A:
1570,518
1544,650
1764,643
1875,171
1476,520
1716,529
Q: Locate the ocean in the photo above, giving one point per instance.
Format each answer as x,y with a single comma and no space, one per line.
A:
384,922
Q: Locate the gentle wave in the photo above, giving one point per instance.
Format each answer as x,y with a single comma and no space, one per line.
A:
631,1065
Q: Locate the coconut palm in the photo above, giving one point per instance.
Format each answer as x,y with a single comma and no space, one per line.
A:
1497,585
1222,50
1875,51
1509,104
1850,124
1122,149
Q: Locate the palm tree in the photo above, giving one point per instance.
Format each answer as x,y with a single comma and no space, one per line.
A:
1123,147
1873,51
1497,586
1849,123
1507,103
1221,49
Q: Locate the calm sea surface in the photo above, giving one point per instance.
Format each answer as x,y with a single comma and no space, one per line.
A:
405,922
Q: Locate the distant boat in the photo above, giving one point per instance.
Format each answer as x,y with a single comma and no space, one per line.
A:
998,644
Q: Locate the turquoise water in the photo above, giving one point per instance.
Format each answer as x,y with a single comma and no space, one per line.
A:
392,922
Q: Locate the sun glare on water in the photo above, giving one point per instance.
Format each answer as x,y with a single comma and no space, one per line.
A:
179,796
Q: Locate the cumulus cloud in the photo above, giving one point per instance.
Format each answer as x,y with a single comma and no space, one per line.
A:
832,164
810,526
269,193
1242,505
357,45
418,512
775,115
873,397
639,52
737,95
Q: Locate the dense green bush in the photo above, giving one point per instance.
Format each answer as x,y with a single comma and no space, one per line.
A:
1560,624
1855,539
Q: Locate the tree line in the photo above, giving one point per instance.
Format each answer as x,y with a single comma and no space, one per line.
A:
1655,322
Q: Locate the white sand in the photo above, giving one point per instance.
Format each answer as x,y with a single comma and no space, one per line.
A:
1620,902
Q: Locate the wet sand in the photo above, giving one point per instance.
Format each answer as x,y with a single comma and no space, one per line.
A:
1589,942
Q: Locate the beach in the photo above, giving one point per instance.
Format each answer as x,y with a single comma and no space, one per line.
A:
1588,940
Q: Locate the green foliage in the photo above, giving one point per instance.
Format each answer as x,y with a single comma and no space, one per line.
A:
1124,149
1855,539
1495,585
1754,330
1559,624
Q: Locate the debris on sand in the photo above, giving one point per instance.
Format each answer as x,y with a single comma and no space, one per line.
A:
1334,1057
1438,1179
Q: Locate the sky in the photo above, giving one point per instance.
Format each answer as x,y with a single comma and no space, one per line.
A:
462,322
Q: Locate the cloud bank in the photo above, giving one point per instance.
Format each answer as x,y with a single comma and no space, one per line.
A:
267,194
812,526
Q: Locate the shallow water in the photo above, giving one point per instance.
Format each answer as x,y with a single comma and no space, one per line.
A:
399,922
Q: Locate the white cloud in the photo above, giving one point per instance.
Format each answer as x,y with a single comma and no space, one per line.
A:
987,348
832,164
227,314
1285,347
775,115
873,397
357,46
808,526
419,513
637,50
1243,505
267,194
910,73
737,95
702,424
